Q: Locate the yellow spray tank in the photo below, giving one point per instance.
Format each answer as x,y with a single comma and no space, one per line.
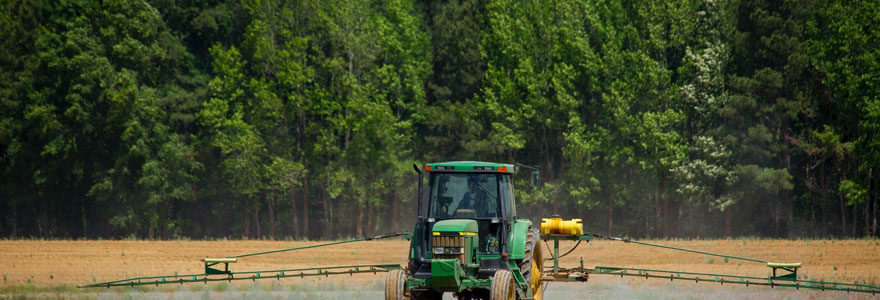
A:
555,225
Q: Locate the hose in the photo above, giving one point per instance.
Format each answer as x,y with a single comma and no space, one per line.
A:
564,254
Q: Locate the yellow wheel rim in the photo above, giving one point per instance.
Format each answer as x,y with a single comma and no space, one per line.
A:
537,266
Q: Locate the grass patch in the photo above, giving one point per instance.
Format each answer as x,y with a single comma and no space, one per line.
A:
34,289
220,287
198,287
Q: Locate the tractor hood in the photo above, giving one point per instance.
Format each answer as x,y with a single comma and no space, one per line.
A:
456,225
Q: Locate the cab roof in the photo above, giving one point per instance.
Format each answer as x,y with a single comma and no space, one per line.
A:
470,166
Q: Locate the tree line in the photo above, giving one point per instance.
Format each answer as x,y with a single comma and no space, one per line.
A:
302,119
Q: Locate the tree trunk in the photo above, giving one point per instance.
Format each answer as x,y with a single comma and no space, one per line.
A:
331,203
811,188
305,206
678,220
842,213
163,220
823,199
377,221
876,210
360,220
728,216
271,206
328,221
369,217
665,216
85,223
777,211
868,229
395,203
659,214
300,127
871,198
868,203
295,211
842,167
14,220
855,220
258,231
787,208
44,217
549,177
874,225
610,219
247,226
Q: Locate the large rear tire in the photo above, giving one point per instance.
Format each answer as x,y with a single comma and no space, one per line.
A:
532,265
503,287
395,285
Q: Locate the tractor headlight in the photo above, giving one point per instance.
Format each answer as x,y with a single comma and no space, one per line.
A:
438,250
454,250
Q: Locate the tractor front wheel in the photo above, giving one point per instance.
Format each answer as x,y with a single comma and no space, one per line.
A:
395,285
502,286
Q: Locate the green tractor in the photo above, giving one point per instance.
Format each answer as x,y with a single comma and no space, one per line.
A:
467,238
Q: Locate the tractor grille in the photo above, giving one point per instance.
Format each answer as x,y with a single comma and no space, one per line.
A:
449,241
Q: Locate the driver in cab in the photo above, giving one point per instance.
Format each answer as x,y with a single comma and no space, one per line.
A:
474,203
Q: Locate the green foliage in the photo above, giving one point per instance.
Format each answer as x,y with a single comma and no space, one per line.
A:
302,119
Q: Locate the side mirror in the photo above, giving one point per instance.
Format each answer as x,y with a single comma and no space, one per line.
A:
535,178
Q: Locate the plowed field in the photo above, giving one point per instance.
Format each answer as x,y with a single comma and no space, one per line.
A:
64,263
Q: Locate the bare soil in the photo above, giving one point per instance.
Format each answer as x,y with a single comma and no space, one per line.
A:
83,262
56,263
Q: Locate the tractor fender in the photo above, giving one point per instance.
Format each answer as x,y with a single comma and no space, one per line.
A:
517,238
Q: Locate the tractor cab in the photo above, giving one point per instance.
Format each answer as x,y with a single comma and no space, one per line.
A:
484,197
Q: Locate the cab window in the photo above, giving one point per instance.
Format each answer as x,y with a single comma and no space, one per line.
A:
464,196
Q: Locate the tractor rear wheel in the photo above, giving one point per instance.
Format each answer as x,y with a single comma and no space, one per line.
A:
502,286
532,265
395,285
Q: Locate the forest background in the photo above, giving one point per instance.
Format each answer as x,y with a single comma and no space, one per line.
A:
272,119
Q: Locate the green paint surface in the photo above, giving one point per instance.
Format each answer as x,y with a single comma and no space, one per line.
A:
468,166
456,225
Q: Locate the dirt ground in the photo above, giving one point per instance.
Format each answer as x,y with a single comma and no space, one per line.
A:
57,263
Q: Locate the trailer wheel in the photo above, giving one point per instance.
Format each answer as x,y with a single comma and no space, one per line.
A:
502,286
532,265
395,285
